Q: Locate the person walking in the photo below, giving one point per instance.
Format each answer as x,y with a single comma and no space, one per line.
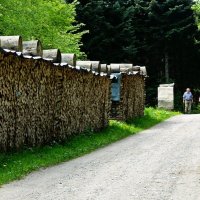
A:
188,100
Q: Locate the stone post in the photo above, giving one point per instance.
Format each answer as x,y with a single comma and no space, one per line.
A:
166,96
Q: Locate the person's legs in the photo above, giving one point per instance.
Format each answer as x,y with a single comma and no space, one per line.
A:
189,106
186,107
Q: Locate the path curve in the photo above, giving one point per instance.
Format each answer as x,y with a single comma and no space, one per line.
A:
162,163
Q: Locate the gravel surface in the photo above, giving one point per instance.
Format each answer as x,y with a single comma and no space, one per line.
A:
157,164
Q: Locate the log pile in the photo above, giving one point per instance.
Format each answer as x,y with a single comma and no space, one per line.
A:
132,91
50,98
132,96
41,102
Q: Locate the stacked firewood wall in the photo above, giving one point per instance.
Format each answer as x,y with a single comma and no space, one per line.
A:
132,96
41,102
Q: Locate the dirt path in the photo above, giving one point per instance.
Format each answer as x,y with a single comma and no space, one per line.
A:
160,163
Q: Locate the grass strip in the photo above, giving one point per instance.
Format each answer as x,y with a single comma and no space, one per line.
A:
16,165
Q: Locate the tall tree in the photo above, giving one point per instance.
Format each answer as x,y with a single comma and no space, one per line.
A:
149,32
161,34
172,24
51,21
103,19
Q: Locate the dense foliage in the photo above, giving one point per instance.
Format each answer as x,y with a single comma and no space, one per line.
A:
162,35
51,21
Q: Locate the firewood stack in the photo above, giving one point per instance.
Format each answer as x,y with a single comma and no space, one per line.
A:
41,102
47,96
132,96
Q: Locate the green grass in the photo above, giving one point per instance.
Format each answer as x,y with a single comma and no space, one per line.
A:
16,165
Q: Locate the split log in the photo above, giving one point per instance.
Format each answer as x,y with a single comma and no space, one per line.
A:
68,58
115,68
54,54
33,48
85,64
104,68
11,42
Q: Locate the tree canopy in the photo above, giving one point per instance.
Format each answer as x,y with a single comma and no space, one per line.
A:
162,35
51,21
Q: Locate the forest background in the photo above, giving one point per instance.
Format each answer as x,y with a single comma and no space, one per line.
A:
161,35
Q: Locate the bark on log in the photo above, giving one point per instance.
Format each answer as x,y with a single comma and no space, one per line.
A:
68,58
52,54
11,42
85,64
33,48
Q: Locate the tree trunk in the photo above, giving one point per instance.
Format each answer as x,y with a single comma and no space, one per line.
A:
166,67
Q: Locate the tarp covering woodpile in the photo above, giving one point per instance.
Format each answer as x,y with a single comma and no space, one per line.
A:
41,102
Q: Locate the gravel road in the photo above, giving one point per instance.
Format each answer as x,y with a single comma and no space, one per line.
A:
162,163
